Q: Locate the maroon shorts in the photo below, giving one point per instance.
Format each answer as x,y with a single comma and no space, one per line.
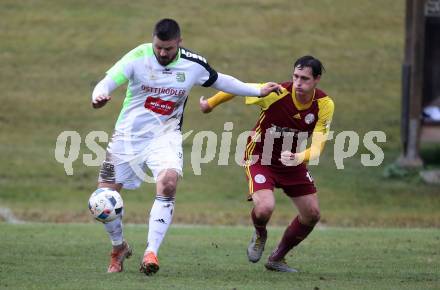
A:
294,180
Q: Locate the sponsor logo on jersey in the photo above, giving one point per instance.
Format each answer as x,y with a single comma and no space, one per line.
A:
180,77
159,106
274,129
309,118
166,91
260,178
192,55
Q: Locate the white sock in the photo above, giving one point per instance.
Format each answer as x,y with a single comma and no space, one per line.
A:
161,215
114,230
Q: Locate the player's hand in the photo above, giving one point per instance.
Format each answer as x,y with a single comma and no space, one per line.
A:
100,101
289,159
269,88
204,105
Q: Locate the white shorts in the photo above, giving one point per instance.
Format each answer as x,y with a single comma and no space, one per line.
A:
132,158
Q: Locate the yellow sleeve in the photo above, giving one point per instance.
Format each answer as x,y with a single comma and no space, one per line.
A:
219,98
315,149
325,115
264,102
320,133
222,97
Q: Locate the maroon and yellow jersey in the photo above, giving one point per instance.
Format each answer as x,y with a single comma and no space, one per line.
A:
283,122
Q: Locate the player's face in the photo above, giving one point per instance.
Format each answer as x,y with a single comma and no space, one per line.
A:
303,81
165,51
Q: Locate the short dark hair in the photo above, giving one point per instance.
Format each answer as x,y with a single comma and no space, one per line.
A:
167,29
311,62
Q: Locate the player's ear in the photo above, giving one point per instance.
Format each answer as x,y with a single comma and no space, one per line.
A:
179,42
318,78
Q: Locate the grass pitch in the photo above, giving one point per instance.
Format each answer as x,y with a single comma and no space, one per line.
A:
53,52
75,256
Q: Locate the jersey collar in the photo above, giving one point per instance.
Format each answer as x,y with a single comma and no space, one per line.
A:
300,106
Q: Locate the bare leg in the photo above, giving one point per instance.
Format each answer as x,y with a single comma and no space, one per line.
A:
264,205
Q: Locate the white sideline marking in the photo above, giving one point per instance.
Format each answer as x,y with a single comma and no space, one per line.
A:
8,216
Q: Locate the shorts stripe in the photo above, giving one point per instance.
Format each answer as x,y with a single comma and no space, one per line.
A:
261,117
250,184
250,148
251,145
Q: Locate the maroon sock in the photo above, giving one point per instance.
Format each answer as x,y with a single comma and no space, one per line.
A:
259,224
293,235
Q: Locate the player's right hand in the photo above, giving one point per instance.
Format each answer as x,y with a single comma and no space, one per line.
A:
204,105
100,101
289,159
269,88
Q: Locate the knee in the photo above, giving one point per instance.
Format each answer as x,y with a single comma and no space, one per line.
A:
312,217
168,187
264,210
167,183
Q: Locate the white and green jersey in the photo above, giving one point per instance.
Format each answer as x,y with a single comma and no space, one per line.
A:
156,95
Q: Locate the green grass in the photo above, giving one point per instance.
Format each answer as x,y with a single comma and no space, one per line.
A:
52,52
74,256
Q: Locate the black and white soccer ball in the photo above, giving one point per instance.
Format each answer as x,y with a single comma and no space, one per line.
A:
105,204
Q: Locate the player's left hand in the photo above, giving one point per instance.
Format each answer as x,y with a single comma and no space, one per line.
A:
204,105
269,88
289,159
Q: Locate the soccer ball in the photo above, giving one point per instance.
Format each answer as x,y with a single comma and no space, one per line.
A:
106,204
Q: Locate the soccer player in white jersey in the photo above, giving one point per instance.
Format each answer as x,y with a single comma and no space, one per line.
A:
147,133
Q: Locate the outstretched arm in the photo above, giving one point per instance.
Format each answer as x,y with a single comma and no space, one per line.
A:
236,87
268,90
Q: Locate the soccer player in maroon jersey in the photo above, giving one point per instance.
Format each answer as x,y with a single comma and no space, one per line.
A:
300,111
